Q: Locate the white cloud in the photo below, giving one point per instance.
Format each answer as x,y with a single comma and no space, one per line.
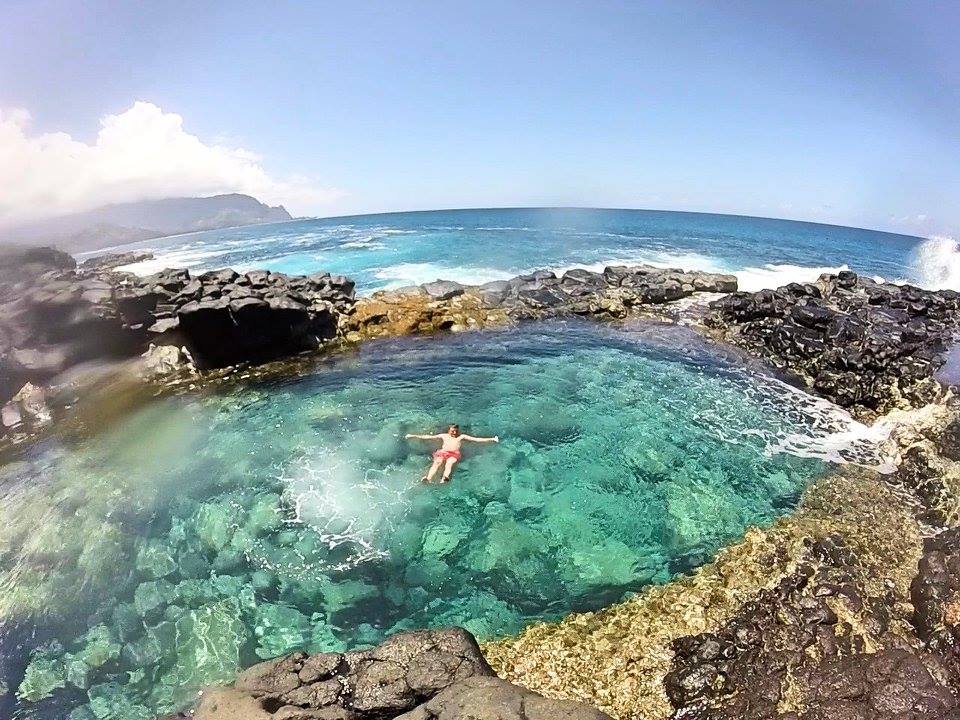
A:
139,154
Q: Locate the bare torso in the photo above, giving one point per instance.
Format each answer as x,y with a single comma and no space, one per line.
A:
450,442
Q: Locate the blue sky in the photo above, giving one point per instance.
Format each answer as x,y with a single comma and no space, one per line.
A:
828,111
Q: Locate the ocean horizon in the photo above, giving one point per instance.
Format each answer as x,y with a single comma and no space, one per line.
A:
395,249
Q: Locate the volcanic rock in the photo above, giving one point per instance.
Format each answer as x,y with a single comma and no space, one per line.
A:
414,675
864,345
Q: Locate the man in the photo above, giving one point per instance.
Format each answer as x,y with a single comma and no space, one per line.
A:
449,453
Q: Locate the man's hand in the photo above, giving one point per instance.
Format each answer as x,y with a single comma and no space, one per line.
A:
408,436
496,438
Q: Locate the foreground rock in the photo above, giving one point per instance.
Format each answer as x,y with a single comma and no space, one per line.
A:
416,675
863,345
818,645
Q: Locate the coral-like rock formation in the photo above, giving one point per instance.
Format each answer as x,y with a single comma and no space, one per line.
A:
408,312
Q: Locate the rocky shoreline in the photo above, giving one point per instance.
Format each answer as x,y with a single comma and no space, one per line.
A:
63,326
848,608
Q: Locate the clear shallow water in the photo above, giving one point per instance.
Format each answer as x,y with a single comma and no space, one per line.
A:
475,246
206,533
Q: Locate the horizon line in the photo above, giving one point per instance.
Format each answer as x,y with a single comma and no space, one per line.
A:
588,207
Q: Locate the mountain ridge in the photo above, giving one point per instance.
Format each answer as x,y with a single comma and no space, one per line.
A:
121,223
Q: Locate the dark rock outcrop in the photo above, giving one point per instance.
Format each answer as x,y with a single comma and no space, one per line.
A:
817,646
935,593
422,674
54,315
612,292
864,345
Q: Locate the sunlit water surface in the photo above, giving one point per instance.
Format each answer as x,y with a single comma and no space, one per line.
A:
207,533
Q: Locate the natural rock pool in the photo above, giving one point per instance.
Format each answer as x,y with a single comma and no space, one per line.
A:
207,532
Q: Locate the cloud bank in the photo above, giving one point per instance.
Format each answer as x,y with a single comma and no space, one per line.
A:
142,153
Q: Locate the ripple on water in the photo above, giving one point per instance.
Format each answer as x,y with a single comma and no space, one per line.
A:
205,534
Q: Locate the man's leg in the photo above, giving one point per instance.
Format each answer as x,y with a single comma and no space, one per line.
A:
448,469
433,470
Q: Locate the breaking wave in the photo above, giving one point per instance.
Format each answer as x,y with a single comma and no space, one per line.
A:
936,263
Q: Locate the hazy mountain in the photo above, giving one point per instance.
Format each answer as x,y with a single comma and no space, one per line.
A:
129,222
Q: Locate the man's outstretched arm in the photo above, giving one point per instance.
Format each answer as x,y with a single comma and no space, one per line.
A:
471,438
413,436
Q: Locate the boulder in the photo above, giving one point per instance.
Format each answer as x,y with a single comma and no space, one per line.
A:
490,698
494,293
443,289
415,675
32,403
390,679
162,360
218,277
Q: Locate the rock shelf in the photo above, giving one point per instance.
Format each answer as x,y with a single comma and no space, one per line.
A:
55,315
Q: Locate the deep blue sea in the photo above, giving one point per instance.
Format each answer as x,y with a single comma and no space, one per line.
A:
474,246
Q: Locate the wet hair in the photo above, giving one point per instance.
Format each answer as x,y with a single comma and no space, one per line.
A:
454,426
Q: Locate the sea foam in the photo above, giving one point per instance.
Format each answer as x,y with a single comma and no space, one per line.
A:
936,263
418,273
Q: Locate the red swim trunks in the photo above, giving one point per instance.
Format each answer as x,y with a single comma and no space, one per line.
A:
444,454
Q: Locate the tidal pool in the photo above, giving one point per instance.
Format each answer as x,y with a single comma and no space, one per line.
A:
206,533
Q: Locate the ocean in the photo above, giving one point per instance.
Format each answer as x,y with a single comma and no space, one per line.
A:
475,246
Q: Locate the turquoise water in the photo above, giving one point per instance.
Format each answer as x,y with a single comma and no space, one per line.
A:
205,533
475,246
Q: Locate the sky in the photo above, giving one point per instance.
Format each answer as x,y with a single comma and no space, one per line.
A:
841,112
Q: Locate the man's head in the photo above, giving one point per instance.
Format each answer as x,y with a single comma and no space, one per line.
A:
453,430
